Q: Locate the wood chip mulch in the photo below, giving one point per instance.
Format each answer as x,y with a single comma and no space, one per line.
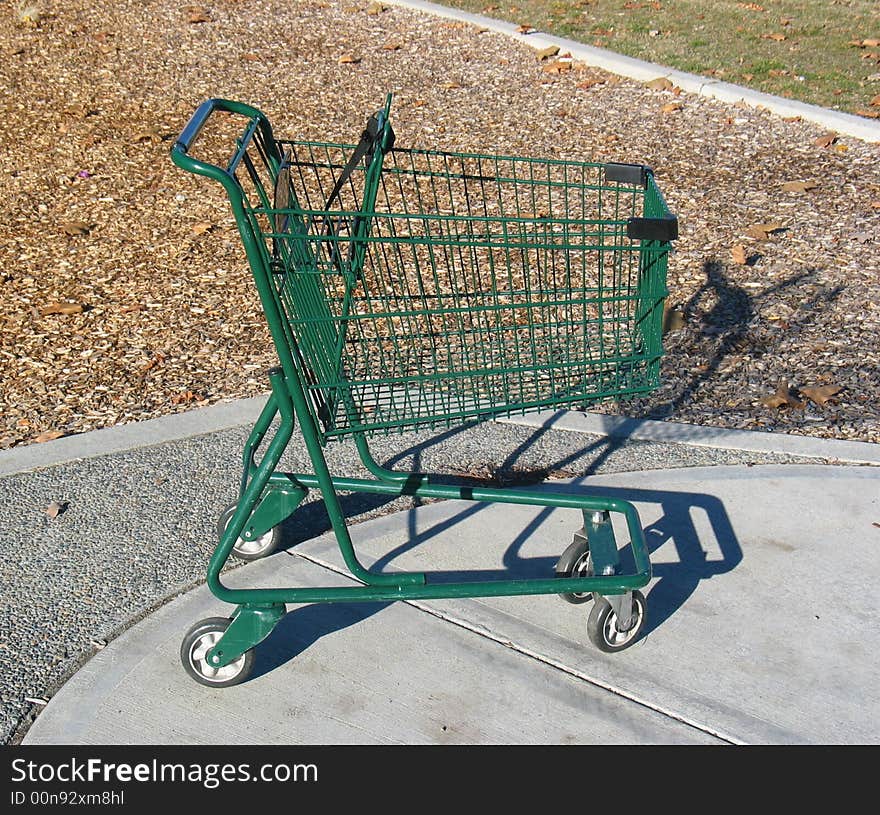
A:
125,294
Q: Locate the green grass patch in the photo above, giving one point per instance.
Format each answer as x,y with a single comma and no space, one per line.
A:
816,51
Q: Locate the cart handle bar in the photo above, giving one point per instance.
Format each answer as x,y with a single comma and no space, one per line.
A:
197,121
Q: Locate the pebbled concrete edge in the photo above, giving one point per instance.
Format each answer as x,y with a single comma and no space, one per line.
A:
842,123
835,450
121,438
244,412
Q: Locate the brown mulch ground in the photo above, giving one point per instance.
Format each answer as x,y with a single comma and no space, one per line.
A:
124,290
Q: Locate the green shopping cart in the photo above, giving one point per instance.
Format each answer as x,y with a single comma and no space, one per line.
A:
408,289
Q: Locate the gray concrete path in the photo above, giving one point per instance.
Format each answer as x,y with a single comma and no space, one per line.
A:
763,613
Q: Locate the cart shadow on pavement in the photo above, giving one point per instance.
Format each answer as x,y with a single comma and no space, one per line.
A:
675,581
704,547
301,628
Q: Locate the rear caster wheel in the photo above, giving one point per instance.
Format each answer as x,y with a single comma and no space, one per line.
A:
249,549
576,562
200,639
604,631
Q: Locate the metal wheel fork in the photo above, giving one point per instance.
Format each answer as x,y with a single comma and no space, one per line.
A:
623,609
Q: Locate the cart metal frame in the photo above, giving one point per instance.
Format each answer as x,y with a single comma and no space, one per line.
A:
318,262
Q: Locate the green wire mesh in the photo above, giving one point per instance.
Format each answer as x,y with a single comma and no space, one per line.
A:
442,286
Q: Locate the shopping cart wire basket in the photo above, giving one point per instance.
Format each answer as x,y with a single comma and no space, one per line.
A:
407,289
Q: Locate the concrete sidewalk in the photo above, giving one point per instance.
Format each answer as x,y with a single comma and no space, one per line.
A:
762,627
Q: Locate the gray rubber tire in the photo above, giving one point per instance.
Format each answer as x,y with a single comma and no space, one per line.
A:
602,624
249,550
194,649
576,562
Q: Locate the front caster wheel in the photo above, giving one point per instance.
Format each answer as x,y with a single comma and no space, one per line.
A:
603,629
249,549
200,639
576,561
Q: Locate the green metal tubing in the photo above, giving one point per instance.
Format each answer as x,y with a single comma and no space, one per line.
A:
256,485
395,586
325,483
291,399
616,584
255,439
383,473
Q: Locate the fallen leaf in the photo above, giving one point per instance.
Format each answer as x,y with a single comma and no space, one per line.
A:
875,102
197,14
826,140
549,51
56,508
782,397
61,308
392,46
751,6
349,59
661,83
589,83
558,66
376,8
74,228
821,394
799,186
49,435
525,29
738,253
202,227
157,359
251,57
150,134
671,107
868,114
763,232
774,36
186,398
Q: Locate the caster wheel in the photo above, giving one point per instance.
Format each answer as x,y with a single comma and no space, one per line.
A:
200,639
576,562
602,626
249,549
